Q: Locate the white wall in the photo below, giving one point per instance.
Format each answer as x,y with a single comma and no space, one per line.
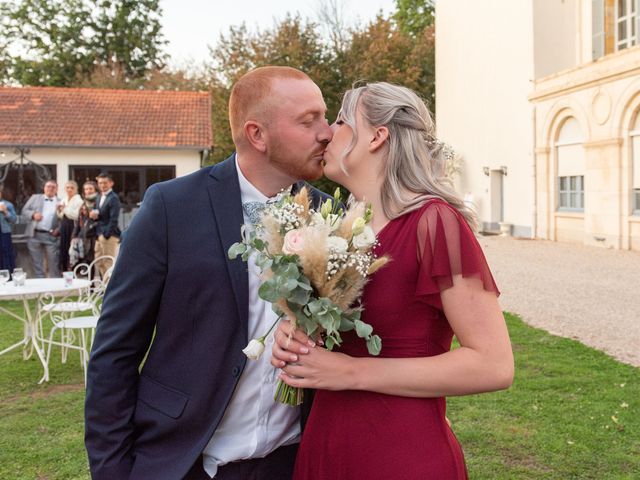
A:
185,161
557,31
484,65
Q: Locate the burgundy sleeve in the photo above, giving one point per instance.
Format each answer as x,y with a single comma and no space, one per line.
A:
447,247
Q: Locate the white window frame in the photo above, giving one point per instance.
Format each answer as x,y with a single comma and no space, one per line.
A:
630,20
577,193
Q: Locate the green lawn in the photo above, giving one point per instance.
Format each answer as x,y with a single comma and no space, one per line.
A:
571,413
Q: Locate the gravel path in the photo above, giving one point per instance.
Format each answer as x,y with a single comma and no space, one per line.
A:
586,293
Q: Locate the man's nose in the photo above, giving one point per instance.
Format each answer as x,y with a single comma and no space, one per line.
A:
327,133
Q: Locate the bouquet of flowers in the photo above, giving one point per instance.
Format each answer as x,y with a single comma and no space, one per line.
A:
314,265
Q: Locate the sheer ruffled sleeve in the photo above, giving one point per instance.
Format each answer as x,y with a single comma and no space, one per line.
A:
447,247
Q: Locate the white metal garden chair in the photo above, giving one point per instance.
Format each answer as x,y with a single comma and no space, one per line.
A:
50,306
77,331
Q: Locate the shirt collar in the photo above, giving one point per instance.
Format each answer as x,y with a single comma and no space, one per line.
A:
248,192
107,192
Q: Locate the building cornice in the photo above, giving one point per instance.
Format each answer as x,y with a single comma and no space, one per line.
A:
612,67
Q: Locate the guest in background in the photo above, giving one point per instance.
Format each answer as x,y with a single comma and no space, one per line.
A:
83,241
90,194
106,212
43,230
68,210
7,217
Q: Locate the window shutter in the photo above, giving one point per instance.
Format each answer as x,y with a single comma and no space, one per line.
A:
570,160
597,28
636,161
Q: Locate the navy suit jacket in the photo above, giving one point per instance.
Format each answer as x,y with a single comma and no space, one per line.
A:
175,289
108,219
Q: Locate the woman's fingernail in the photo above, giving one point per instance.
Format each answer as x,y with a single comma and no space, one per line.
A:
304,349
294,358
311,343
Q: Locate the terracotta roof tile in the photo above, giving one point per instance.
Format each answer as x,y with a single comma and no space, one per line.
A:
39,116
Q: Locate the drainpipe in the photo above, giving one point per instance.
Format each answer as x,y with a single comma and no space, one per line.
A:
203,156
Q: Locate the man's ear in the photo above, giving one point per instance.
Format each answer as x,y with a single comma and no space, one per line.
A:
380,136
255,135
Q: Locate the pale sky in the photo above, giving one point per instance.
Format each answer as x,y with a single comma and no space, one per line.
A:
191,25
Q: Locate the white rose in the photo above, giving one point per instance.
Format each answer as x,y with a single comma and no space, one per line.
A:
365,240
337,244
293,242
254,350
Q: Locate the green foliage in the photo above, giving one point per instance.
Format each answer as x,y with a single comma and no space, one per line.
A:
413,16
62,42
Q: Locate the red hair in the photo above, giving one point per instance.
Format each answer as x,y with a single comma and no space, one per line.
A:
250,95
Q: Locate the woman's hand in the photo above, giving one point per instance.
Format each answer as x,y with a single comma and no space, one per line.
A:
304,364
289,343
321,369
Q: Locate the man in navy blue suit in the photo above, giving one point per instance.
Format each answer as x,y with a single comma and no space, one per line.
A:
195,408
106,214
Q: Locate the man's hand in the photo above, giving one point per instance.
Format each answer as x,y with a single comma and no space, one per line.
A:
37,216
94,214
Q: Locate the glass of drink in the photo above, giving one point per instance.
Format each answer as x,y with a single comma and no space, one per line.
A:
68,278
19,276
4,277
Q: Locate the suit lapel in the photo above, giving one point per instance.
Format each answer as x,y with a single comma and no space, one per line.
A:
224,195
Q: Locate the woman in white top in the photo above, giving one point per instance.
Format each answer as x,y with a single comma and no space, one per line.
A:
68,211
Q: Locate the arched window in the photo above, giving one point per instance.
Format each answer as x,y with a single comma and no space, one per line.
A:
635,165
570,158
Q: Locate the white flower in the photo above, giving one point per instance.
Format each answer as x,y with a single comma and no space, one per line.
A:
254,350
337,244
358,226
293,242
332,220
365,240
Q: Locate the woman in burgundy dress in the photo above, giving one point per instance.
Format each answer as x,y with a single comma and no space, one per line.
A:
384,417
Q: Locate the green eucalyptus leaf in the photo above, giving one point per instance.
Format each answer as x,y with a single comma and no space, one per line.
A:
374,345
299,296
363,329
346,324
329,342
236,249
269,291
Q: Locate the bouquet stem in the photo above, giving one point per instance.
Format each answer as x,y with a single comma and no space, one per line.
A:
288,395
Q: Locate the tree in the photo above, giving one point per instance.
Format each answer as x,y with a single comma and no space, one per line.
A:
48,36
61,42
128,35
413,16
382,52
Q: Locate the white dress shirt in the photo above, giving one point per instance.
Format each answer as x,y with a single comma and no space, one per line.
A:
254,424
49,211
103,197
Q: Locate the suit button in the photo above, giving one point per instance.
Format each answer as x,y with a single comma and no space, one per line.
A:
235,371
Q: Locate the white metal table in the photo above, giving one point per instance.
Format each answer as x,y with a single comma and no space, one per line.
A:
35,288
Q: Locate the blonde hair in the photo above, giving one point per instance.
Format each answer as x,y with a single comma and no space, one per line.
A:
414,171
250,96
73,183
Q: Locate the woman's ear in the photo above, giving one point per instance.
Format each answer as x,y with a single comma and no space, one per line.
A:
380,136
255,135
